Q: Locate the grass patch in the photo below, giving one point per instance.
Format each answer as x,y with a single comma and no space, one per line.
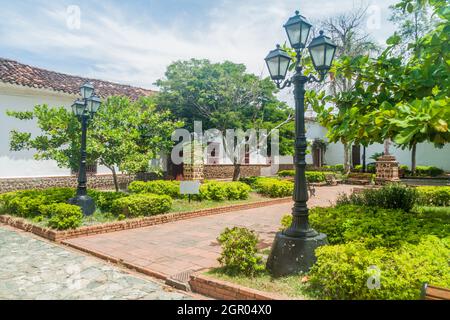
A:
183,205
291,287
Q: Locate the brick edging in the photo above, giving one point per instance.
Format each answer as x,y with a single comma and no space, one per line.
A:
224,290
58,236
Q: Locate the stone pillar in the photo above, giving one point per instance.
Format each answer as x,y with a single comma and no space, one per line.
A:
193,162
387,169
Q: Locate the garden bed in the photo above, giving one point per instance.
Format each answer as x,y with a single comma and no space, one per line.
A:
217,286
214,208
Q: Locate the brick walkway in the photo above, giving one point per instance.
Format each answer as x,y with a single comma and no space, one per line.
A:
175,247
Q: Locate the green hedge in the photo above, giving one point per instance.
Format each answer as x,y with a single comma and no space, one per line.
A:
162,187
63,216
311,176
434,196
27,203
104,199
345,271
391,196
428,171
137,205
219,191
273,187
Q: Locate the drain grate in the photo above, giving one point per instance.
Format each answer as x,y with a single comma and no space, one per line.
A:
180,280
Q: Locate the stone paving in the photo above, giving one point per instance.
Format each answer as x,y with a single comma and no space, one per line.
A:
190,245
36,269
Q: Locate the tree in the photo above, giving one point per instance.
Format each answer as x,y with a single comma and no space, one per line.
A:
222,96
347,31
123,135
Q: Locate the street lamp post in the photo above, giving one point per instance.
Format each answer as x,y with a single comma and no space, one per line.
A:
85,110
293,249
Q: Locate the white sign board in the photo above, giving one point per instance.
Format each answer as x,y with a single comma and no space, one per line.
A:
190,187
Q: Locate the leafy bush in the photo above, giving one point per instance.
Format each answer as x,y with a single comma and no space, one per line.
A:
239,252
219,191
371,168
249,180
434,196
104,199
286,173
63,216
161,187
375,227
274,188
343,271
391,196
336,167
358,167
27,203
428,171
137,205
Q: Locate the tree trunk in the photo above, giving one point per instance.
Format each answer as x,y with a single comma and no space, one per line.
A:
364,159
413,159
237,172
116,183
346,158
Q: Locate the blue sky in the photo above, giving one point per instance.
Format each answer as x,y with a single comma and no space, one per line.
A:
132,42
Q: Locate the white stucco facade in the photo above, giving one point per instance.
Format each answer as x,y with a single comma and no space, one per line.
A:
19,98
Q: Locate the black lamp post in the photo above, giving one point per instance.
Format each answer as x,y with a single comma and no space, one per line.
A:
85,110
293,249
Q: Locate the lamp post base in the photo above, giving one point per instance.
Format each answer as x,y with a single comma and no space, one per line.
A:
85,202
291,255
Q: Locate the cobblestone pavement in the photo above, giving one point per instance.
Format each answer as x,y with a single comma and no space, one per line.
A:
36,269
190,245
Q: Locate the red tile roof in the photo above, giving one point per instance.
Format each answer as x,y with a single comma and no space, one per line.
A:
17,73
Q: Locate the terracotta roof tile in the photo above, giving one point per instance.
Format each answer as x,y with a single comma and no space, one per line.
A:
14,72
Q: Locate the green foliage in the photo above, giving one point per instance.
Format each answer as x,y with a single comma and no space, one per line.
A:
311,176
63,216
434,196
390,196
219,191
286,173
428,171
104,199
343,271
137,205
376,227
167,187
273,187
239,252
27,203
124,134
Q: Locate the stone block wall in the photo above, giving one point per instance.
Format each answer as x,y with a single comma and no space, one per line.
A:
101,181
225,171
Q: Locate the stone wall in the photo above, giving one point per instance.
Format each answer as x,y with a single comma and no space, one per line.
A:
103,181
225,171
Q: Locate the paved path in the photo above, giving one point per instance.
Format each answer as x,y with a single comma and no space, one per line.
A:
190,245
36,269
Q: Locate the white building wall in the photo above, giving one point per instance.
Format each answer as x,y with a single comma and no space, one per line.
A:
426,154
22,164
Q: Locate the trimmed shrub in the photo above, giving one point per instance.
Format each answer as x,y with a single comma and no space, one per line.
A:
428,171
63,216
390,196
27,203
274,188
239,252
161,187
137,205
344,271
433,196
249,180
104,199
237,190
215,191
286,173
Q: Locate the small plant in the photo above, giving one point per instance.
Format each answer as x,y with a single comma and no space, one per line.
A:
239,252
161,187
428,171
63,216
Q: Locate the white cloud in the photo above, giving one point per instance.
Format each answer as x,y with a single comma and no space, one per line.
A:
127,49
